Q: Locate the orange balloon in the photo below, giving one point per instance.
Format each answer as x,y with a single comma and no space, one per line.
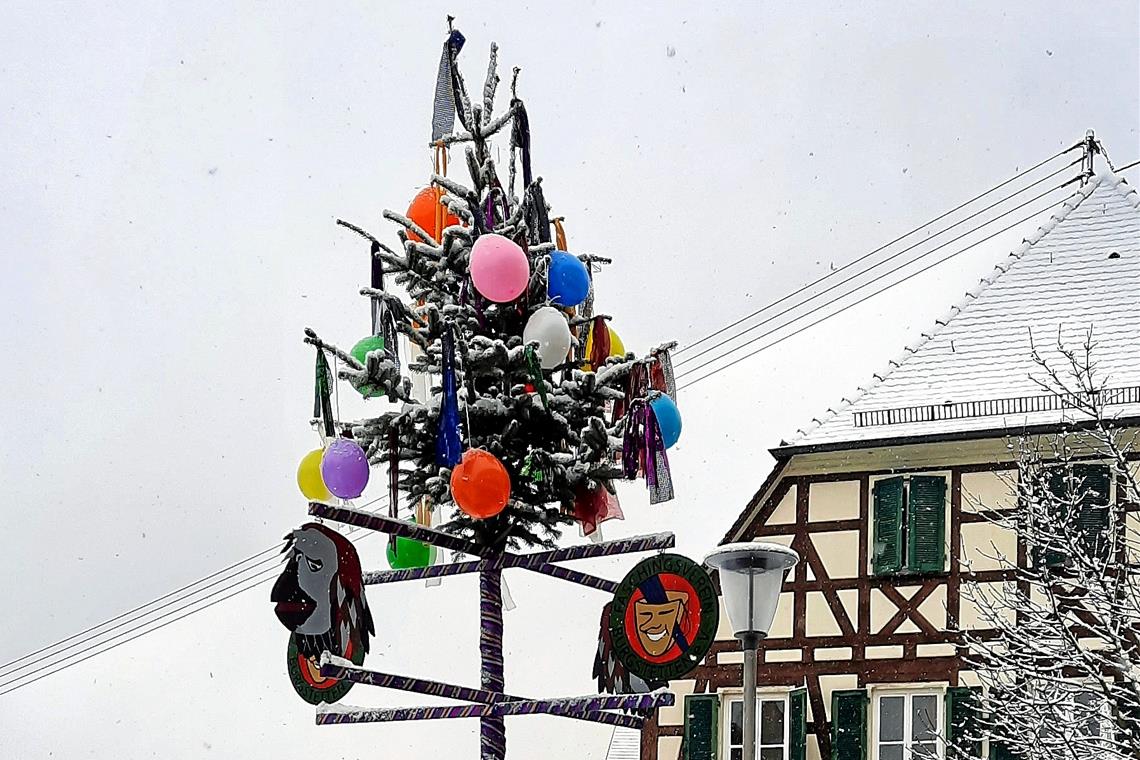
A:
480,484
422,212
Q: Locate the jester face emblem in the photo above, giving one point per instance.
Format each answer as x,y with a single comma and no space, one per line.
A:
659,624
320,598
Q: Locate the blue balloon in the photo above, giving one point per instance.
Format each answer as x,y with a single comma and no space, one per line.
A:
668,419
568,282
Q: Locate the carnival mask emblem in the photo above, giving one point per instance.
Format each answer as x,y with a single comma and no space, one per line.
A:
663,618
320,598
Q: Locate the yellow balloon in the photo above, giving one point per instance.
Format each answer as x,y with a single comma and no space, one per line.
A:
309,478
617,348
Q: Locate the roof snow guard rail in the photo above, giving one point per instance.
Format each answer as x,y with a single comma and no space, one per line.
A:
1017,405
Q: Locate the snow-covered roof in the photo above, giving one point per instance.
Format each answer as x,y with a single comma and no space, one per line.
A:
625,744
972,371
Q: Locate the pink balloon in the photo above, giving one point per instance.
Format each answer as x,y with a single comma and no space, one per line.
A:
499,268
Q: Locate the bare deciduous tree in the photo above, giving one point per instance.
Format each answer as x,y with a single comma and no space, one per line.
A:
1057,646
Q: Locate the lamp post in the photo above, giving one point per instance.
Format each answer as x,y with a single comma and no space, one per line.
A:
751,576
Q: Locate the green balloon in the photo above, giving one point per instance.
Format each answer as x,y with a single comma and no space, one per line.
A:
363,346
360,353
410,553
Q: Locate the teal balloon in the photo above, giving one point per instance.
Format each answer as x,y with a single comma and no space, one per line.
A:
668,419
568,282
410,553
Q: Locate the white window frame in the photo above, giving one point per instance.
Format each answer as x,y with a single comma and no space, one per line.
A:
729,698
939,694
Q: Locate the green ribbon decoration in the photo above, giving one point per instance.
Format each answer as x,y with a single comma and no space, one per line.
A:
322,394
534,368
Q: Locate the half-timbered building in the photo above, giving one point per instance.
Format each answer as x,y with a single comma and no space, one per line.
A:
883,498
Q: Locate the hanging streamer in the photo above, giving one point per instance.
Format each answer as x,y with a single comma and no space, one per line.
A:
661,375
593,506
443,110
534,369
643,450
559,234
448,443
600,343
636,386
520,139
322,396
393,483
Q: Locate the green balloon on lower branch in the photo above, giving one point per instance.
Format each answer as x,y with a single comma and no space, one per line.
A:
360,352
410,553
365,345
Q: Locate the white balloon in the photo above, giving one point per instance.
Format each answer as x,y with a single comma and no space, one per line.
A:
548,326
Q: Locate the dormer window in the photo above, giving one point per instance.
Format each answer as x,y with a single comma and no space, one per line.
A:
909,525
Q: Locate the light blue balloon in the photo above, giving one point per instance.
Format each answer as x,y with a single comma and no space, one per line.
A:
668,419
568,282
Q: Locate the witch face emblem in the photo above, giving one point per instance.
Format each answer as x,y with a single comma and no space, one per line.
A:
320,598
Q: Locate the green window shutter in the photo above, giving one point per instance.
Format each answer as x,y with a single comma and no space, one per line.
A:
887,522
1092,483
1058,488
701,726
797,725
999,750
849,724
926,528
963,730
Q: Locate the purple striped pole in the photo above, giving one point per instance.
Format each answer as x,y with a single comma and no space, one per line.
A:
492,730
582,579
588,551
567,706
416,573
450,691
400,528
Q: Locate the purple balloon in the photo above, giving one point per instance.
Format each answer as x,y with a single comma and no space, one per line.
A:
344,468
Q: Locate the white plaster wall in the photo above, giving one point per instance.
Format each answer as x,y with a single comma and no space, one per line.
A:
837,500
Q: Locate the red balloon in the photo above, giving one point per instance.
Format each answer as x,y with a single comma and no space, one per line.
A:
422,212
480,484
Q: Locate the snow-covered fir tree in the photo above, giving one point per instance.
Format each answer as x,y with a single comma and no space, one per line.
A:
556,431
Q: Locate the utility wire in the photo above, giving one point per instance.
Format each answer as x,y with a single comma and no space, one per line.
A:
876,265
881,248
65,663
707,362
260,580
272,561
782,338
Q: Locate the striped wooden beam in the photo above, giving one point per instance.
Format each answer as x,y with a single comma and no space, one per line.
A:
399,528
590,708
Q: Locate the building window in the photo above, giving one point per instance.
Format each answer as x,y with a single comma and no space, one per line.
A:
771,728
909,522
908,725
1081,498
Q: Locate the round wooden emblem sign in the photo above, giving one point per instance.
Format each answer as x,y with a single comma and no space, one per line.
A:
305,675
664,617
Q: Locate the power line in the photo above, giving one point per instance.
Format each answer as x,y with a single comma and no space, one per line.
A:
70,659
880,263
866,256
67,665
903,265
782,338
41,662
136,609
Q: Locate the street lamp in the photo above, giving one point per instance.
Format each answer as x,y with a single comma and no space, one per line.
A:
751,576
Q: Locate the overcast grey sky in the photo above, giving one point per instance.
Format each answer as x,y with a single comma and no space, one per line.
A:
169,177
